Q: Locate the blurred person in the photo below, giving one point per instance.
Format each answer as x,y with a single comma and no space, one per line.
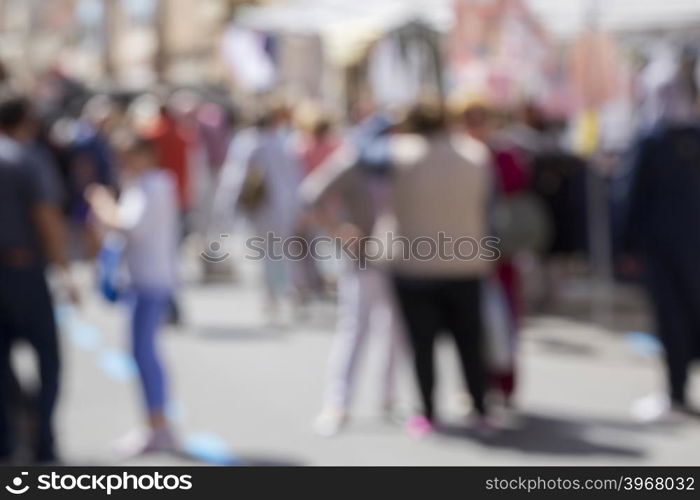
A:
172,152
216,126
32,237
662,217
180,111
207,130
558,179
365,291
528,130
91,162
173,145
146,214
441,186
511,178
231,175
317,138
43,152
260,179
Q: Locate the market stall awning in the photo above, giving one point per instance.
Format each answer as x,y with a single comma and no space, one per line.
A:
568,18
563,18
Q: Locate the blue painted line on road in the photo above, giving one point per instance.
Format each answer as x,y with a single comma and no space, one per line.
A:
117,366
175,412
209,448
643,344
206,447
82,334
85,337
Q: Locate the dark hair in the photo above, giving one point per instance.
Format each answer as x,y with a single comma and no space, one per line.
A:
313,119
425,117
14,109
322,127
476,115
271,111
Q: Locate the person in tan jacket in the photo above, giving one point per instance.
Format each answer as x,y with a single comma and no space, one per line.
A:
441,190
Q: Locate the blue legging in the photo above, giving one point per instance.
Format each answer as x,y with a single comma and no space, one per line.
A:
147,315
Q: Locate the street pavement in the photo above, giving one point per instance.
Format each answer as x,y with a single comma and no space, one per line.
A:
245,392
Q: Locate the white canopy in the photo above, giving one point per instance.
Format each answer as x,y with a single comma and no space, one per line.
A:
567,18
318,16
563,18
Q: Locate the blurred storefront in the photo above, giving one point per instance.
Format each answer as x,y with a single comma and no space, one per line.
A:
510,51
336,50
131,43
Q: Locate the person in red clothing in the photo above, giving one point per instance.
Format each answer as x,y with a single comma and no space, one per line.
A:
511,178
171,144
172,152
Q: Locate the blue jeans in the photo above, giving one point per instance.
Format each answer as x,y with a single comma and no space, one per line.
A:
148,311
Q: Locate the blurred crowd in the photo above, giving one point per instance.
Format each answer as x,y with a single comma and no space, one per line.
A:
122,179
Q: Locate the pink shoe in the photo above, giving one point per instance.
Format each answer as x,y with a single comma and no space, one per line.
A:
418,427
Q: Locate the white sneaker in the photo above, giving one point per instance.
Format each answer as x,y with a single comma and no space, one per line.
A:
141,442
657,408
330,422
462,404
652,408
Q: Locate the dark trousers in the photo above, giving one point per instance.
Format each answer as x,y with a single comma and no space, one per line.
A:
674,287
26,313
432,305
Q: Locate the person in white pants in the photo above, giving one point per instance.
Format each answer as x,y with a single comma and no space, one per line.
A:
364,293
365,300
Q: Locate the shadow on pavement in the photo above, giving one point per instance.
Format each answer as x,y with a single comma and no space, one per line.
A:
553,436
236,333
566,347
182,459
260,461
243,460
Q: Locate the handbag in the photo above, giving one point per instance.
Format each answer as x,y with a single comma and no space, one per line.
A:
522,223
110,279
498,343
254,190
